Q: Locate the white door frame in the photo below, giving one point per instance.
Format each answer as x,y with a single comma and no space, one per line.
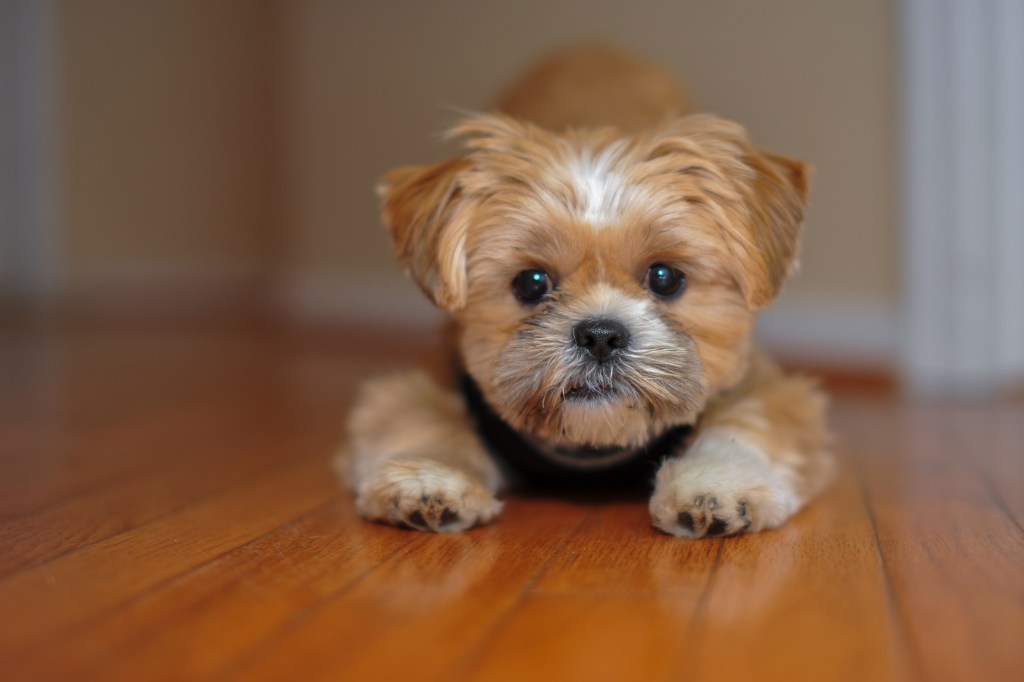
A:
963,137
29,206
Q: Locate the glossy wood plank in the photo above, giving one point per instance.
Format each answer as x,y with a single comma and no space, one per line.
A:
133,498
171,514
205,619
954,557
616,604
72,589
994,437
586,637
807,601
423,611
617,551
97,411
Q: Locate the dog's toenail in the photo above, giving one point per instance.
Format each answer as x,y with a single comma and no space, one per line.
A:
416,518
448,516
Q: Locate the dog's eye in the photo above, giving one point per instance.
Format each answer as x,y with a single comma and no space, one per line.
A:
664,280
530,286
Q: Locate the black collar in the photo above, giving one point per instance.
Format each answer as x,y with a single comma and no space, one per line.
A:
539,460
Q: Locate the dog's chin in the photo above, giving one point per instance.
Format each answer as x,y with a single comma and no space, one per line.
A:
602,418
587,394
598,411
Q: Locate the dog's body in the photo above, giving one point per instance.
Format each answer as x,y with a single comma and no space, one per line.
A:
603,287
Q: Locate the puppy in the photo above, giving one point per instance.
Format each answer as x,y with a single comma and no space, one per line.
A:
602,283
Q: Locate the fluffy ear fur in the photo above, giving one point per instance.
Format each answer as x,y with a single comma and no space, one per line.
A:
757,198
421,207
778,201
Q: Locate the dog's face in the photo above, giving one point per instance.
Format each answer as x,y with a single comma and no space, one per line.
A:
604,285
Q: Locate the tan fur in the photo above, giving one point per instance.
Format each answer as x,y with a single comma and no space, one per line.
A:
594,85
428,231
594,208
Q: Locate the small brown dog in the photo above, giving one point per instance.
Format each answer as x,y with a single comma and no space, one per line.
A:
603,284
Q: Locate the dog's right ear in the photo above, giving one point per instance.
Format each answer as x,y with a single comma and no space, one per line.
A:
760,197
423,208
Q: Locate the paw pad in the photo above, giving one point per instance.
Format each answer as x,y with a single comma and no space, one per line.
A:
703,517
432,519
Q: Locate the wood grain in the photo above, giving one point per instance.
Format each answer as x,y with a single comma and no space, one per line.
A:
167,511
432,603
954,555
820,576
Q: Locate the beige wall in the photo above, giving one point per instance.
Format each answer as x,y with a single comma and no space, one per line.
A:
239,141
370,83
167,142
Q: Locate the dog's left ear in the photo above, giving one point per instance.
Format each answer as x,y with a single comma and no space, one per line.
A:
423,209
778,199
758,197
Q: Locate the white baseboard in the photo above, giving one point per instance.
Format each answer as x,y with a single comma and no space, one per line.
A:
356,298
839,332
171,291
30,259
963,170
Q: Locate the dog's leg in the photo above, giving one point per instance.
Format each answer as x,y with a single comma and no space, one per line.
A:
761,453
414,460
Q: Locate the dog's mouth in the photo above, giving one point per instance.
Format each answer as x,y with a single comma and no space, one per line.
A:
589,393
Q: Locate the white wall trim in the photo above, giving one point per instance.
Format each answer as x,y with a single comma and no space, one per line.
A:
841,333
963,77
356,298
178,292
33,211
833,332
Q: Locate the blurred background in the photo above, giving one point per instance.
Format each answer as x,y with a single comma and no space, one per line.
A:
193,160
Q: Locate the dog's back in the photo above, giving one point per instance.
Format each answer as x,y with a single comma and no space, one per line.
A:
591,86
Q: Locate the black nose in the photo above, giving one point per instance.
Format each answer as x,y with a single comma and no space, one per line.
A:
601,338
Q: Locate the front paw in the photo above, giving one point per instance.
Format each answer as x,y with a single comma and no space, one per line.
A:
723,486
704,516
425,495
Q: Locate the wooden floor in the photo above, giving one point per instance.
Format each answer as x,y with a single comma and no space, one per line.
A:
167,512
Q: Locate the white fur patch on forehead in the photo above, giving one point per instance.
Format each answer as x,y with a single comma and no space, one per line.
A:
601,191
